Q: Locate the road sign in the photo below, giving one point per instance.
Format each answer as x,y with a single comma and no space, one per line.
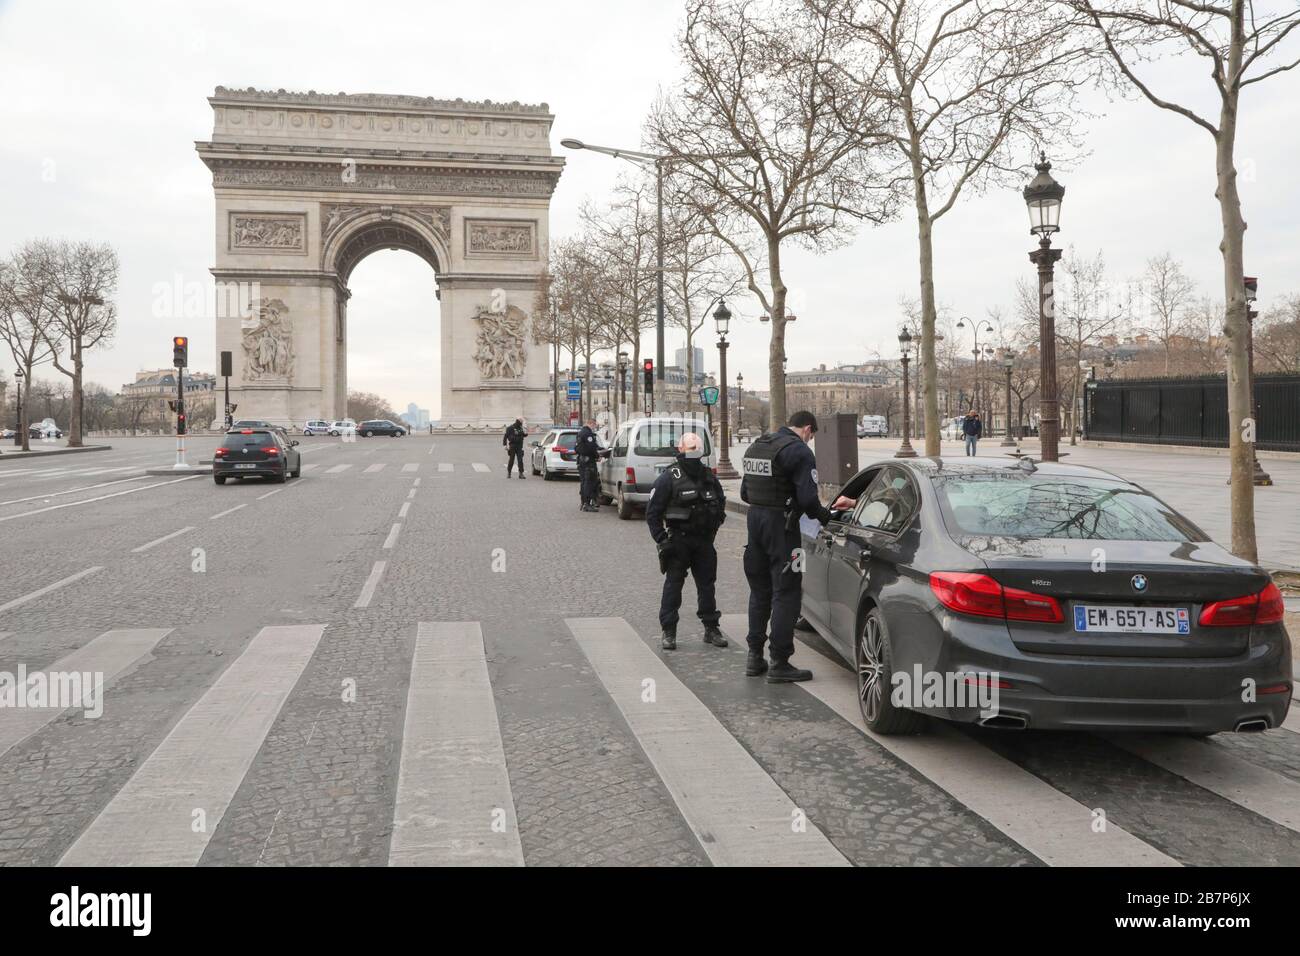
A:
709,395
575,389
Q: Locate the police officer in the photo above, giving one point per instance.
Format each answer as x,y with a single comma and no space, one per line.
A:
780,484
685,510
514,442
589,454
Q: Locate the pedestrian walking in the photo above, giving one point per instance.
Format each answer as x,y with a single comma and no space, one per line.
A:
513,440
589,455
780,484
972,428
686,509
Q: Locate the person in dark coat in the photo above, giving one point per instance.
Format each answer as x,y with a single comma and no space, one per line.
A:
589,455
514,444
972,428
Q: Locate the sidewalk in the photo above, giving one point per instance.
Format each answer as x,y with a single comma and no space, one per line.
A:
38,452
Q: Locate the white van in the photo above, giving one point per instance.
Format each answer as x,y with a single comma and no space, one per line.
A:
641,450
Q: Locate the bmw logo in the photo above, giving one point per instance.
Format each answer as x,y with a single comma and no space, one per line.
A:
1139,582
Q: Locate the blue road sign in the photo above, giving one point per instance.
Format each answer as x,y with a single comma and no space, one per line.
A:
709,395
575,389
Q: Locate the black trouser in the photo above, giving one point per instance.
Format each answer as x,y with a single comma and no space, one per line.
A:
775,588
694,554
590,482
516,454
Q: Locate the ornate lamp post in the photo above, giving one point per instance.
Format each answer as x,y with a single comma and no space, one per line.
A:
740,401
1008,362
1043,197
905,450
623,360
722,319
20,433
976,327
1261,477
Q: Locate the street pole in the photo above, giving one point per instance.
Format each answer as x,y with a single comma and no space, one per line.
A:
1261,477
659,385
180,410
905,450
1049,423
1007,440
724,469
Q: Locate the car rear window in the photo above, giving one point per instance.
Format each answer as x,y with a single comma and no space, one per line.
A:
239,440
659,439
567,440
1058,506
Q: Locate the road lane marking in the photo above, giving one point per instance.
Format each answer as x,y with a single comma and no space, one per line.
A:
401,512
371,469
1208,765
445,466
70,491
737,812
166,537
410,494
372,582
452,780
228,511
314,464
479,466
1292,720
410,467
112,654
416,483
1034,814
87,501
270,493
48,588
201,763
392,536
431,447
336,469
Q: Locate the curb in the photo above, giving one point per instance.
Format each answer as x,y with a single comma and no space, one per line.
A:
179,472
18,455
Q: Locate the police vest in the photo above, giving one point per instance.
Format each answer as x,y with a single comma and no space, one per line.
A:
765,484
693,506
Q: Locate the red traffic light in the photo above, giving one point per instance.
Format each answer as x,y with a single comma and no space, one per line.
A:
649,365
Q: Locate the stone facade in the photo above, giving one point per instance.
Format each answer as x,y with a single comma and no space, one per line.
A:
307,185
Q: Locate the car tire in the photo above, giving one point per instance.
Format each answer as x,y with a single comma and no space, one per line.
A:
535,471
219,479
624,506
873,662
367,434
282,477
546,472
606,499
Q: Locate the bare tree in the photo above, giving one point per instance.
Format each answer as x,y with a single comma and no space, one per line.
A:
770,139
1240,45
1166,292
972,84
26,316
82,281
1277,337
1087,308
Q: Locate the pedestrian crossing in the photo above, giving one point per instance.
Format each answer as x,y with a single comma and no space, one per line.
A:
405,470
454,801
16,476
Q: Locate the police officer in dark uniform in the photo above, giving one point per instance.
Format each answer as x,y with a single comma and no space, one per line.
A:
589,454
780,484
685,510
514,442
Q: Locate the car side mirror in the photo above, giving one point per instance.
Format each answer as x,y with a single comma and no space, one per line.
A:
293,444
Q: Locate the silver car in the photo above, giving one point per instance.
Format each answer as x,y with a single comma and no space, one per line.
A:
642,448
554,454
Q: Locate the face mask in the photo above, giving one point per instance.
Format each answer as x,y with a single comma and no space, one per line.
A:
694,454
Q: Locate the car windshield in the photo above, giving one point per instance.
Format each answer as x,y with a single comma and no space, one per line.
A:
658,439
1057,506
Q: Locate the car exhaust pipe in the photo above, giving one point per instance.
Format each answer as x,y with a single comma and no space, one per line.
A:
1253,726
1005,722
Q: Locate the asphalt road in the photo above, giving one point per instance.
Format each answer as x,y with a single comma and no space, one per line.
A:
404,658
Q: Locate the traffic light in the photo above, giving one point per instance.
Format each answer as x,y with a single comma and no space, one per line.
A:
180,417
180,351
649,366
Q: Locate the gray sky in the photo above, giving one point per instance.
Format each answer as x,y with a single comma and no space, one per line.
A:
102,104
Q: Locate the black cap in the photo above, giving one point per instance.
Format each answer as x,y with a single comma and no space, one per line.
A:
803,419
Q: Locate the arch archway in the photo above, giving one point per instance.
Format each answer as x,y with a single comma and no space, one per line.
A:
308,185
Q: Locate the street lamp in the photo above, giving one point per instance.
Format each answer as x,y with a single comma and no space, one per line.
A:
20,433
607,369
740,401
722,319
1261,477
623,360
645,160
1043,198
1008,362
905,450
976,327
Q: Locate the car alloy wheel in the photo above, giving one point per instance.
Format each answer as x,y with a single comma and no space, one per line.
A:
367,434
870,669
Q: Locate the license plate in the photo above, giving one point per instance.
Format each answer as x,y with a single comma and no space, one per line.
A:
249,465
1132,620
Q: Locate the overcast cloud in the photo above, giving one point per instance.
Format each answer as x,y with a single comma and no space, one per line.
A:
102,104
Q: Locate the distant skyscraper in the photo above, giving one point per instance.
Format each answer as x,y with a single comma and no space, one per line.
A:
697,366
416,417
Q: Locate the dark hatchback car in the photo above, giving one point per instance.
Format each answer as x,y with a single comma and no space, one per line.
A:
255,452
380,427
1083,600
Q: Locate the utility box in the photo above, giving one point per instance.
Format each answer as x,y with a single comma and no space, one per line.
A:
836,446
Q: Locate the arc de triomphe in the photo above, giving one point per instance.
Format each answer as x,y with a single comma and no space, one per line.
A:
307,185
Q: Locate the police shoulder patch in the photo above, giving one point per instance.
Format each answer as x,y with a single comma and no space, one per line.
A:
814,476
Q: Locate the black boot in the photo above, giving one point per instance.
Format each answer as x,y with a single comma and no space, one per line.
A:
755,666
712,635
783,672
668,640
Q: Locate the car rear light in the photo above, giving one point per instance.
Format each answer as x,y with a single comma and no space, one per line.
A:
220,451
271,450
631,475
1266,607
977,680
980,595
246,431
1275,689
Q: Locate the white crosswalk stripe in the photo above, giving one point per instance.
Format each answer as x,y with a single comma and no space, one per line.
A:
446,466
335,469
454,806
479,466
411,466
371,469
200,764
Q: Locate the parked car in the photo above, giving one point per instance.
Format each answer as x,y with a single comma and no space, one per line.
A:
554,455
642,448
316,426
344,426
258,423
873,426
974,567
46,428
380,426
260,452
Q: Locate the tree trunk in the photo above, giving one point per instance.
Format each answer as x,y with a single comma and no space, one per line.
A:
635,386
777,415
74,418
929,381
1242,495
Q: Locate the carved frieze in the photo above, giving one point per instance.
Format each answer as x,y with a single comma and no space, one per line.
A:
501,238
268,342
325,177
268,232
500,352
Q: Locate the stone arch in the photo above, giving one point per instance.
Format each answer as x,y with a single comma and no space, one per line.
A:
372,229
